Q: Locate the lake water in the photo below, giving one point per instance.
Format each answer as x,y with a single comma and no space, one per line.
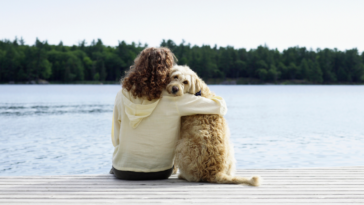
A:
65,129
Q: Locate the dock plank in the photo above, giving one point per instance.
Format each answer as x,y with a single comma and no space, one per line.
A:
341,185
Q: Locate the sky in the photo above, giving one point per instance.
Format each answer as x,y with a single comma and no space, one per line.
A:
239,23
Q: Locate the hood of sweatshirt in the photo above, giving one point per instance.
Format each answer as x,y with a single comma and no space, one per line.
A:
137,112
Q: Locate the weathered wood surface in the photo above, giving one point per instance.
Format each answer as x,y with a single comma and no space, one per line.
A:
344,185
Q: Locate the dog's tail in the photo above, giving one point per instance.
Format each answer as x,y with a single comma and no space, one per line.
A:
222,178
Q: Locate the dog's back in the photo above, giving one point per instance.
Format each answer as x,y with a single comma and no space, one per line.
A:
201,150
204,153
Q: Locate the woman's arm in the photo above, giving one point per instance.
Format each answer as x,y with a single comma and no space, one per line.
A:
116,121
190,105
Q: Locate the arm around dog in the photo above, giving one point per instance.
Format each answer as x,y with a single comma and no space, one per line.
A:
190,105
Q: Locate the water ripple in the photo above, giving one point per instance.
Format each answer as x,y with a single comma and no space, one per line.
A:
29,110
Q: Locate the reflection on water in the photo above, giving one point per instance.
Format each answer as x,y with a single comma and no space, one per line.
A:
65,129
52,109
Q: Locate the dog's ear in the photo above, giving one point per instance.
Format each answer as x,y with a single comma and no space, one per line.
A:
172,70
196,84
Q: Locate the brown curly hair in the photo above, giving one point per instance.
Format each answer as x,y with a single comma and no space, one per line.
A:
149,74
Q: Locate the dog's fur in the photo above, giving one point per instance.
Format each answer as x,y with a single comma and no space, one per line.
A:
203,151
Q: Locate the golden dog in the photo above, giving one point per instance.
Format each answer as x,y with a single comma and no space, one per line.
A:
203,151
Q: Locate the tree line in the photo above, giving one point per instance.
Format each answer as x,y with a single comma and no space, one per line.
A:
100,63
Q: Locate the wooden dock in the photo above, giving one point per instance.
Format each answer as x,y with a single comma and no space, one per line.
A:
343,185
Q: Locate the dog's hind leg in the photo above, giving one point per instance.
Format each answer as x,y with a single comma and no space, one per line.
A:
180,176
222,178
188,177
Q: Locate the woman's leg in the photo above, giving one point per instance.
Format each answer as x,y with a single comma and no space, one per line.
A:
129,175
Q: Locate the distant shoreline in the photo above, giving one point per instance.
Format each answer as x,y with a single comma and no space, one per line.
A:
97,63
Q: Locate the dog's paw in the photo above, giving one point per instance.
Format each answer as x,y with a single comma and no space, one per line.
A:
256,180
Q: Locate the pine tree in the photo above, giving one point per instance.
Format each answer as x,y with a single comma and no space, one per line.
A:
305,71
316,73
273,73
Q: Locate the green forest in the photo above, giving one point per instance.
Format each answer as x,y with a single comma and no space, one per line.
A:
96,63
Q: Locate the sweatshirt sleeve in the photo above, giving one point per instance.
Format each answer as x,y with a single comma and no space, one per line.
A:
116,121
190,105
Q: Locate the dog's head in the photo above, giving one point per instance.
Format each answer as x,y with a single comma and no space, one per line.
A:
183,80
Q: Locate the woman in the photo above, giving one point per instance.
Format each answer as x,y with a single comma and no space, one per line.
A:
146,119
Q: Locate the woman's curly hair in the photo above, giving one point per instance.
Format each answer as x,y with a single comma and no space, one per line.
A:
149,74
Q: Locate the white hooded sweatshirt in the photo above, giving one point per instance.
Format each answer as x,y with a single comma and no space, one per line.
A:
144,133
